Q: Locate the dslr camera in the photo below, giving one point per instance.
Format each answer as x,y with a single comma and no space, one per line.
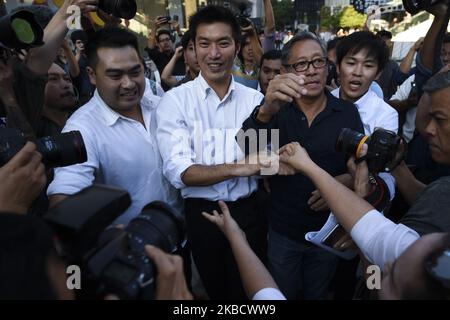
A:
415,6
61,150
383,146
113,260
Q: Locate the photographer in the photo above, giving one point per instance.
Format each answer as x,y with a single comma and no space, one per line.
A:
187,52
246,65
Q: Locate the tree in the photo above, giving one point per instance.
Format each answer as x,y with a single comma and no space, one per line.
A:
328,20
350,18
284,13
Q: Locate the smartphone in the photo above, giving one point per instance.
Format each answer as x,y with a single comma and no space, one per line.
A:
334,236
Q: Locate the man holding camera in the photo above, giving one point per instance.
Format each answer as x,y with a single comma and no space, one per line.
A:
117,126
161,47
297,105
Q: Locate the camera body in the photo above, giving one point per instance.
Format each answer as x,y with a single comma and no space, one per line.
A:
382,147
58,151
113,260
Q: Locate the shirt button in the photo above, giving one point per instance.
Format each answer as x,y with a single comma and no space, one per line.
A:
303,118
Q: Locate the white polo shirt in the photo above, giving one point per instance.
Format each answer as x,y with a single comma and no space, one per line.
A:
196,127
121,152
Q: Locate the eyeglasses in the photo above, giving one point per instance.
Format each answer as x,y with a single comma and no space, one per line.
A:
304,64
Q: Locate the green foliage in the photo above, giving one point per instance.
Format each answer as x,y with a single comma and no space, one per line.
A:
329,21
350,18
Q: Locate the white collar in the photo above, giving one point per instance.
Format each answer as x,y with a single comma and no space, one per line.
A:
205,88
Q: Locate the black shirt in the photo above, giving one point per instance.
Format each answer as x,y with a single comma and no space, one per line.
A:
161,60
289,213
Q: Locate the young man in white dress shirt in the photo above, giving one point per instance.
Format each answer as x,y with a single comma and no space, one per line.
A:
118,127
361,57
197,124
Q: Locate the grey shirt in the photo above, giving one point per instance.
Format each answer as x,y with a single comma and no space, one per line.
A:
431,211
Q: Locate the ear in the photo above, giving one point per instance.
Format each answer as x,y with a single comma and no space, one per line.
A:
92,75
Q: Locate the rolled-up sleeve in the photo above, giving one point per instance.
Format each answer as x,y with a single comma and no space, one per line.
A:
174,140
381,240
71,179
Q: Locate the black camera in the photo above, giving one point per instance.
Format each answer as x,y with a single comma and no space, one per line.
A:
414,6
113,260
383,146
20,30
58,151
125,9
243,21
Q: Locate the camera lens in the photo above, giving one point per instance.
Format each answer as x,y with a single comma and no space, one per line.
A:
62,150
349,141
156,225
125,9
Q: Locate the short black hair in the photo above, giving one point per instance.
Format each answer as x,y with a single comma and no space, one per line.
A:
212,14
333,43
446,38
302,36
161,32
187,36
78,35
357,41
384,33
270,55
113,37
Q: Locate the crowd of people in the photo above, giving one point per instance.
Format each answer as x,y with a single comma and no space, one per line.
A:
177,125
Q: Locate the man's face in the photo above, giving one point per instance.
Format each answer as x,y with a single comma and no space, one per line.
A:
59,93
269,69
191,58
407,275
79,45
165,43
356,73
216,50
445,53
119,77
247,51
315,78
437,131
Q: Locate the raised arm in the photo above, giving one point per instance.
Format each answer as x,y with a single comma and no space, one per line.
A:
166,75
348,207
40,59
405,65
270,18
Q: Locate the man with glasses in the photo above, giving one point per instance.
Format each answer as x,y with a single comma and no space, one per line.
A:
297,104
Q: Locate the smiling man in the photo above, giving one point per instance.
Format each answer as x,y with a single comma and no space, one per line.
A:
197,123
298,105
118,127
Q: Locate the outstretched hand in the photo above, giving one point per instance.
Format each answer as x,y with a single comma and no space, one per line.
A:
296,156
224,221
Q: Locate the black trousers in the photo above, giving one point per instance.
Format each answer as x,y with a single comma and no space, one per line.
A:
210,249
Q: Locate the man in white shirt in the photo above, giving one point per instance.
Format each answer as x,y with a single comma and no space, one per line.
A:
361,57
197,124
118,127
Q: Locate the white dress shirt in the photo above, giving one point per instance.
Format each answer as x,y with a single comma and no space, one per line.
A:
196,127
401,94
381,240
375,113
121,152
